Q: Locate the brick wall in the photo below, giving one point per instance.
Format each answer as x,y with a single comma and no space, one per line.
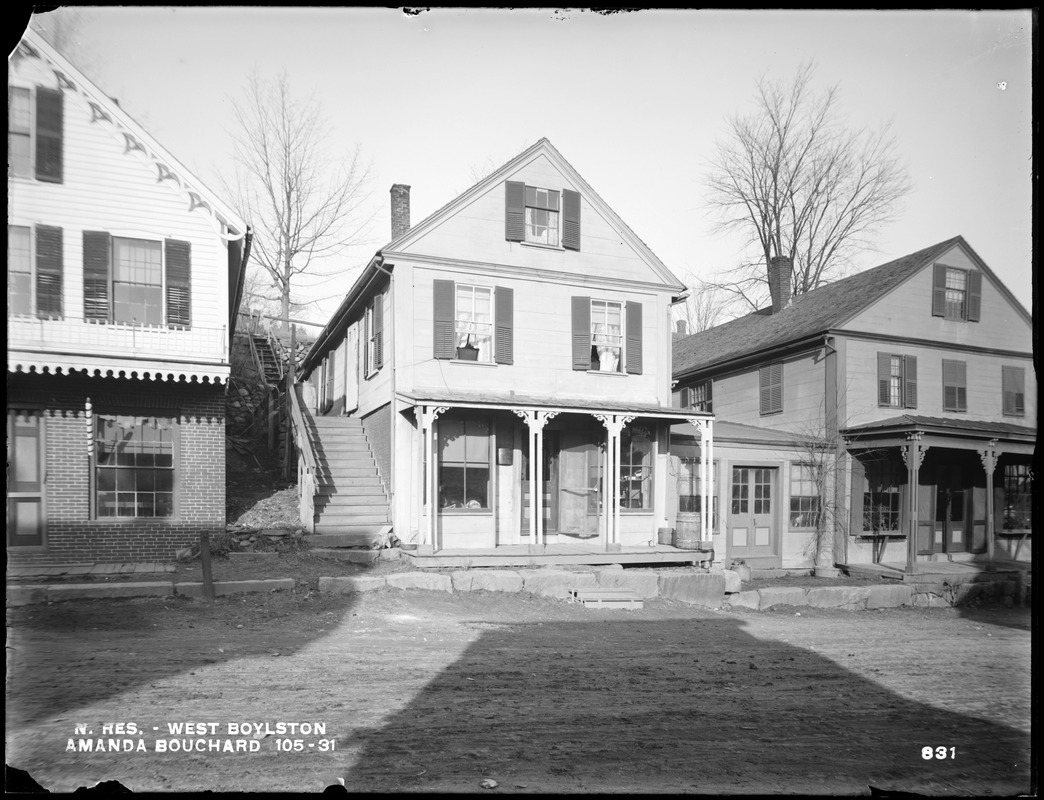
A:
72,536
378,433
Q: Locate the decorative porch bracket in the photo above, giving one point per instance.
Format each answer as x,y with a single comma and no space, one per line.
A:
614,424
535,421
989,455
706,429
426,417
913,456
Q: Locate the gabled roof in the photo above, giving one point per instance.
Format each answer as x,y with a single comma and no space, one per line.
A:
150,154
541,148
809,315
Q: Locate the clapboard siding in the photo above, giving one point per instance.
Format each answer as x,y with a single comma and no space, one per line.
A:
542,343
476,233
906,312
737,397
107,189
983,376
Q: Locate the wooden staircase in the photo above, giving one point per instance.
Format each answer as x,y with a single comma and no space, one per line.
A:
350,503
268,362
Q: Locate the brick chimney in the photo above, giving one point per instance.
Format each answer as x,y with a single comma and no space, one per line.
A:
683,328
779,269
400,209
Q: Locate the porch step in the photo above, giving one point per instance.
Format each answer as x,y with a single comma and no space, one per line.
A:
607,598
343,518
359,486
341,536
363,506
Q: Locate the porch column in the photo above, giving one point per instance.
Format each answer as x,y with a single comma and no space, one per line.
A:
426,416
614,424
706,429
535,422
913,455
989,455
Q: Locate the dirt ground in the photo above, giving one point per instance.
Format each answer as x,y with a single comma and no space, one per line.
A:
428,691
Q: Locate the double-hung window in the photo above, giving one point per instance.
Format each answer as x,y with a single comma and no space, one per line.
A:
34,133
956,293
134,465
698,397
804,496
1013,391
607,335
542,216
1018,497
137,281
464,463
34,271
538,215
473,322
955,385
896,381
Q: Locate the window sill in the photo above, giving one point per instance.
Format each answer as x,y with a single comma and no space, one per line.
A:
607,373
636,512
371,374
471,363
539,246
467,512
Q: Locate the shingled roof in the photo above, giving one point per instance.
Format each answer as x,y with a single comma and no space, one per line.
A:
807,315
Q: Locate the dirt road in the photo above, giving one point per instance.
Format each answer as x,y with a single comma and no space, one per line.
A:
422,691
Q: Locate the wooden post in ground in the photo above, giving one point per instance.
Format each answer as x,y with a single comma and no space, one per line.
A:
204,557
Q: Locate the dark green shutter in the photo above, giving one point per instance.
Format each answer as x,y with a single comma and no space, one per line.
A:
97,249
974,295
570,219
515,211
445,325
581,333
48,135
939,291
910,381
48,271
505,312
178,256
884,375
378,332
634,338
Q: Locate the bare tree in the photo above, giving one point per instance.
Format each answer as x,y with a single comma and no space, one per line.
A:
304,204
797,182
706,306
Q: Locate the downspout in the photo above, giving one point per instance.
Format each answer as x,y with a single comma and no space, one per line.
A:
389,327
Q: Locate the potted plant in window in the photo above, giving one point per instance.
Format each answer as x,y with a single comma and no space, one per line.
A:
467,350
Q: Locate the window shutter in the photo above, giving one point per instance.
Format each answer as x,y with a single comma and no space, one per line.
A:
445,327
910,381
505,313
515,212
939,291
884,373
974,295
582,333
686,397
331,371
570,219
378,331
709,404
48,271
634,338
96,252
179,282
770,379
48,135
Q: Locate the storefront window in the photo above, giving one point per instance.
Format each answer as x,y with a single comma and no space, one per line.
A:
636,448
464,468
1018,497
881,496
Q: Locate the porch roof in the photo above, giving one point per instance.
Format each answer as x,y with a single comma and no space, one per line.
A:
943,431
510,401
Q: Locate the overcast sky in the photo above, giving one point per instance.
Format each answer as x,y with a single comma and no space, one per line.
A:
634,101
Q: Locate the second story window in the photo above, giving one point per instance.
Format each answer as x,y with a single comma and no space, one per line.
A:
1013,390
19,133
34,271
698,397
606,335
770,387
374,324
137,281
896,381
955,385
473,322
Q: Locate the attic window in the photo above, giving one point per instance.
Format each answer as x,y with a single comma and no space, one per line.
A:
956,293
542,216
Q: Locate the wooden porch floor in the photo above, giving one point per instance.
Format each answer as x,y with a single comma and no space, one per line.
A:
523,555
935,570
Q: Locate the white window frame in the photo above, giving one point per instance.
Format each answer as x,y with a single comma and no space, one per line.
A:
114,238
557,218
602,341
468,327
31,135
32,270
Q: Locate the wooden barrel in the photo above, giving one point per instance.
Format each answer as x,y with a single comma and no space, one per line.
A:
665,536
687,532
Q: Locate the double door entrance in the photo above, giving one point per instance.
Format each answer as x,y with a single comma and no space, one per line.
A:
959,516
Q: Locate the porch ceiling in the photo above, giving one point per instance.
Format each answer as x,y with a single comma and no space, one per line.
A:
510,401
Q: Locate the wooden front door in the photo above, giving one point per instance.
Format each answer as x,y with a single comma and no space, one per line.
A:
25,479
952,497
579,495
752,534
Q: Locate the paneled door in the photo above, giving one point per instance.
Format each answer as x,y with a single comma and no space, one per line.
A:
579,485
951,510
752,534
25,479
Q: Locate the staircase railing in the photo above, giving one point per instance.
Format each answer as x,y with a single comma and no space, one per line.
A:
307,466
